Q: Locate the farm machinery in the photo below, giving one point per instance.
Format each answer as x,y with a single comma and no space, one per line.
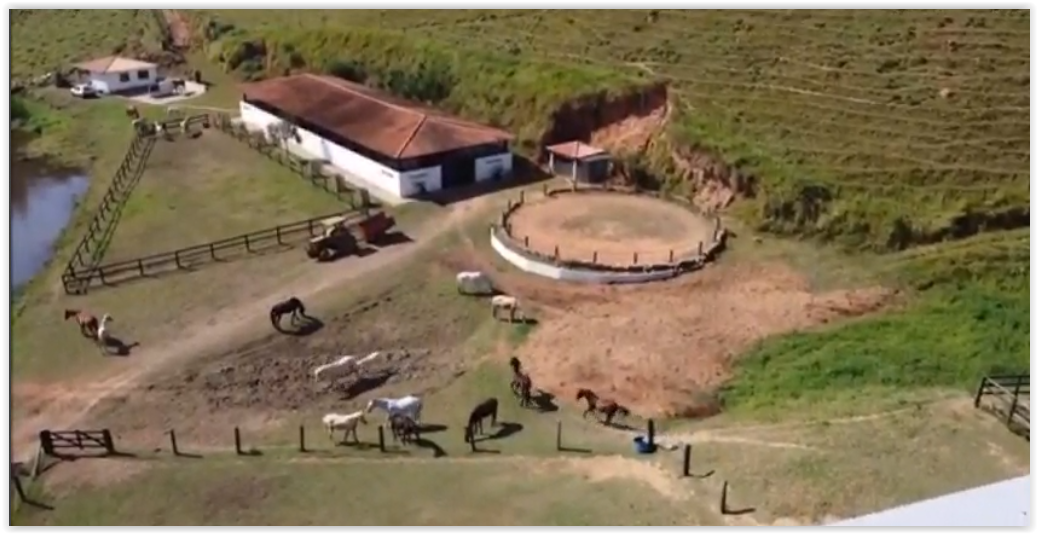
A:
342,235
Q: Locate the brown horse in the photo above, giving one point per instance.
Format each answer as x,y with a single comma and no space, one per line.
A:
607,407
88,324
404,428
522,385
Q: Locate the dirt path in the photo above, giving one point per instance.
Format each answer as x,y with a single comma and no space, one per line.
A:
66,404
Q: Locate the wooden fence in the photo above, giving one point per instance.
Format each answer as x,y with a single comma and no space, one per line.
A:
92,246
188,258
55,442
1008,390
309,170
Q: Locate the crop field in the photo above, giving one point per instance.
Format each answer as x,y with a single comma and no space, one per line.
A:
872,167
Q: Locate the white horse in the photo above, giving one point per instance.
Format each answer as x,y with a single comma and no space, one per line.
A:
343,366
102,333
411,406
347,423
505,302
474,283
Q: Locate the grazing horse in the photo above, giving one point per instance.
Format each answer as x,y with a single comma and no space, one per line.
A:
607,407
487,408
292,306
102,336
410,406
522,385
404,428
88,324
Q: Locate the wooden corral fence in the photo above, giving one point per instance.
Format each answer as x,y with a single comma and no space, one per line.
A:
56,442
310,170
1012,394
191,257
92,246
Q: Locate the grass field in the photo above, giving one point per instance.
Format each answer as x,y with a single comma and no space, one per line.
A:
75,35
879,272
219,184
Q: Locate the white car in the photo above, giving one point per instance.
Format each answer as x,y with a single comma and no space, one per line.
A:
84,90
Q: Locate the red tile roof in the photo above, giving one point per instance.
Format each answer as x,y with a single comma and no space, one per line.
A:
391,126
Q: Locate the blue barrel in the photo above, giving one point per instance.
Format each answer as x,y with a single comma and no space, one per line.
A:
642,445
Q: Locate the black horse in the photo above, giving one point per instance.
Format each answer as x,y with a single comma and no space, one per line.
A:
292,306
404,428
522,385
487,408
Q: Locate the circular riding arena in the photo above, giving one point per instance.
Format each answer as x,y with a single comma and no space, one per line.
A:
611,229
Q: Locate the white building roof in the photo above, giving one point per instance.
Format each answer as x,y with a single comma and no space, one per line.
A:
114,64
1002,504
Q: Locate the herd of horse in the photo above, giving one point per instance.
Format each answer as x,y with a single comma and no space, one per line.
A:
404,413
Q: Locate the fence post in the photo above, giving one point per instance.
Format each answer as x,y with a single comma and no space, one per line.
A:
724,498
173,442
636,258
651,431
140,266
237,441
381,439
556,252
212,251
106,437
594,257
46,442
1012,407
248,246
526,241
302,438
558,435
671,260
980,392
17,480
277,231
686,469
176,257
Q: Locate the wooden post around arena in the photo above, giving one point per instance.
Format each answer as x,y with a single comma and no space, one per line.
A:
381,438
636,258
556,252
526,241
302,438
671,260
237,441
651,432
686,464
558,435
17,480
980,392
173,442
594,257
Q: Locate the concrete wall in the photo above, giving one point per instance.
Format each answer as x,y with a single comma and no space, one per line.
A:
400,184
531,265
109,82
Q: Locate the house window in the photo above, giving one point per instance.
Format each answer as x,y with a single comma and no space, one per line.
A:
143,74
124,77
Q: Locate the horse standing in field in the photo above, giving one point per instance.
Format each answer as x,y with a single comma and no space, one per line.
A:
505,302
88,324
404,428
292,306
410,406
522,385
487,408
607,407
345,422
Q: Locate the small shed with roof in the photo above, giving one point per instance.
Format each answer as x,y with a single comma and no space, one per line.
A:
116,74
579,161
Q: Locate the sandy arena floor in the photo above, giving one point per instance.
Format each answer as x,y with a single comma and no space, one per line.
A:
616,226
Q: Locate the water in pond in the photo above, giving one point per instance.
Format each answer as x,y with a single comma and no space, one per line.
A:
43,197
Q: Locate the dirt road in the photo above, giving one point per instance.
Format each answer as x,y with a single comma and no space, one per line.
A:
67,404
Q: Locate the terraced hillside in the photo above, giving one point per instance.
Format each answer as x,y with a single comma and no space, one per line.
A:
878,129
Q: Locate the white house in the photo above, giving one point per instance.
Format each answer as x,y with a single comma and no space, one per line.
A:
116,74
399,146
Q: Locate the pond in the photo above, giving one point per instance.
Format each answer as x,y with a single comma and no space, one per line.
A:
43,197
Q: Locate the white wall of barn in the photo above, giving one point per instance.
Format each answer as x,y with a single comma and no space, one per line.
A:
401,184
488,167
111,82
